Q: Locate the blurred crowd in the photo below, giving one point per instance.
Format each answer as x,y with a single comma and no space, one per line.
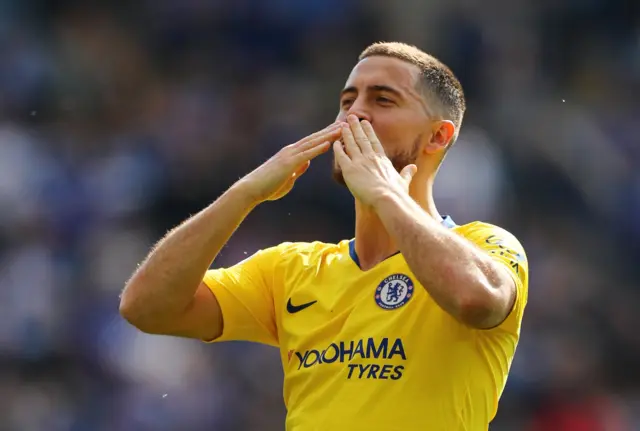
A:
120,119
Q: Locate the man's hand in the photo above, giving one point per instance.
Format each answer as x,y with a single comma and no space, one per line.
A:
365,167
275,177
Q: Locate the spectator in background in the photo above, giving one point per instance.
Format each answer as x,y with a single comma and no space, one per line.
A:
110,113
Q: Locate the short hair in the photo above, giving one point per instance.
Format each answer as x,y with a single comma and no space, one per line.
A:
439,83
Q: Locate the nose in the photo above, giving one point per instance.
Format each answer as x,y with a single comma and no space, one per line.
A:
361,113
358,109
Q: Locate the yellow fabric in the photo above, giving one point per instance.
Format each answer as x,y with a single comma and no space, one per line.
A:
374,352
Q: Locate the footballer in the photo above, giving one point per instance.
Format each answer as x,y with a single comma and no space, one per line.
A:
410,325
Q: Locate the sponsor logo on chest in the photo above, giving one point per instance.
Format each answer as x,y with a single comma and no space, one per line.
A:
388,353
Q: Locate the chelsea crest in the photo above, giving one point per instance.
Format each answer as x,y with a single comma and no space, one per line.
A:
394,291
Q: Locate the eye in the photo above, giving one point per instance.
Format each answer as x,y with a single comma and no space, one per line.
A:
384,101
346,102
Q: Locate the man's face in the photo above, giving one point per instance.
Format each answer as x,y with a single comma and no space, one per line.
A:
385,91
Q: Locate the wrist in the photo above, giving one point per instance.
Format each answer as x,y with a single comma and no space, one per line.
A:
247,195
388,197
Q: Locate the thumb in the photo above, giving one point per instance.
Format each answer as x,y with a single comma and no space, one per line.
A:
302,169
408,172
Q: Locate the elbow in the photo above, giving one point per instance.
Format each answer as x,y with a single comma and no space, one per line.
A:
477,315
132,312
136,319
140,312
487,300
128,310
480,311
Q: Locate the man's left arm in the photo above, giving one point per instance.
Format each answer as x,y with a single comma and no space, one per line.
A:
461,278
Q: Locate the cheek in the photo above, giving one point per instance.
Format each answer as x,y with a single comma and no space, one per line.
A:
391,136
397,133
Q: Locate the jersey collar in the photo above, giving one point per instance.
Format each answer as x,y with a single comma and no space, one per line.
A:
447,222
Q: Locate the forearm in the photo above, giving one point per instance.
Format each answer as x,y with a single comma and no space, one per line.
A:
459,277
165,283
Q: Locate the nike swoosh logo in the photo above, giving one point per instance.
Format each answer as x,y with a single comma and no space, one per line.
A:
295,308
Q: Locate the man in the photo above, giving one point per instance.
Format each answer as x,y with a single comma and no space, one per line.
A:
413,324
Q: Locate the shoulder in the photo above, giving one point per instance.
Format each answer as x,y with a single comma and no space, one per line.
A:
487,234
303,253
500,244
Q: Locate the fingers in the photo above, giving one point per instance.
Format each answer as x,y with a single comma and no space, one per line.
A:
360,137
372,137
313,145
341,156
324,131
312,152
350,145
408,172
329,133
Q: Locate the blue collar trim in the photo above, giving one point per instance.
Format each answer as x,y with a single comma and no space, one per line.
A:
447,222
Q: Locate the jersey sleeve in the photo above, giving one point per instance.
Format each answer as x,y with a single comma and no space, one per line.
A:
245,294
507,251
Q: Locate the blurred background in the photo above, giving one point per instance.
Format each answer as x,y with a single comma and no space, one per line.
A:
120,119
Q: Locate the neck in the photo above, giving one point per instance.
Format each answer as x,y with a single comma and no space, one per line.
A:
373,244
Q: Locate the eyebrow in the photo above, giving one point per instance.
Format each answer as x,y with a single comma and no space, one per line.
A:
374,89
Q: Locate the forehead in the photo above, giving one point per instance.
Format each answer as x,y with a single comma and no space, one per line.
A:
379,70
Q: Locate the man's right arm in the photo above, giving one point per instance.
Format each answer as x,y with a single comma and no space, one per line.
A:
166,294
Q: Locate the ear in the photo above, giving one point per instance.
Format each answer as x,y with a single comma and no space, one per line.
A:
442,132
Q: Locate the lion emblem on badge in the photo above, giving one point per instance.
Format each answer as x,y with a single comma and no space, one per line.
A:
394,291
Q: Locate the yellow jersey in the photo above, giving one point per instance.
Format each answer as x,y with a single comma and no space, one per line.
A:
371,350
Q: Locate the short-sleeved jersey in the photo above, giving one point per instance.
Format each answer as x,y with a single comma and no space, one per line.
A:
371,350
